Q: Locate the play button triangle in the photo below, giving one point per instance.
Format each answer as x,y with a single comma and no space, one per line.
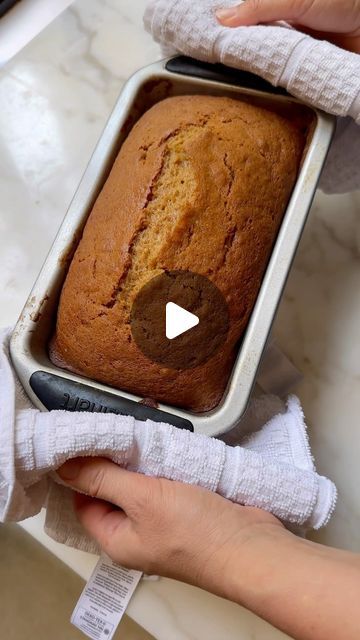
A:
178,320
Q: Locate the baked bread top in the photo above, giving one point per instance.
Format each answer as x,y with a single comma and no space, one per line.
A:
200,184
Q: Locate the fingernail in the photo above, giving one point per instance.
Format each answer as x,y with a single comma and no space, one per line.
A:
225,15
70,470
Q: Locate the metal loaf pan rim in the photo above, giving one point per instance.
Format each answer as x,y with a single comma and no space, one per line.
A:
30,336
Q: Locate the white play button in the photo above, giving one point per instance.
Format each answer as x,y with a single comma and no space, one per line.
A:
178,320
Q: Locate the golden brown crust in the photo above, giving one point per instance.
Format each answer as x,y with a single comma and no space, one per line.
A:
200,184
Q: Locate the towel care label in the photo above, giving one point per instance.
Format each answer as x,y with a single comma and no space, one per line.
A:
103,602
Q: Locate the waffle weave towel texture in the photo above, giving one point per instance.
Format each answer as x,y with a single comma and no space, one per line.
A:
271,469
315,71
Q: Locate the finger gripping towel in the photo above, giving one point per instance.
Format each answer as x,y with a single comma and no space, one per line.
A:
272,468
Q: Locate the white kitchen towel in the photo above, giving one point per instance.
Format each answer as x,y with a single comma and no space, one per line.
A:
317,72
272,469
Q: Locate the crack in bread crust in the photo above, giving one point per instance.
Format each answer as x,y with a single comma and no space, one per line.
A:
168,200
200,185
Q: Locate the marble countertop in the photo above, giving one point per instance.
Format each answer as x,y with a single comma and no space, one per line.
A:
25,20
55,97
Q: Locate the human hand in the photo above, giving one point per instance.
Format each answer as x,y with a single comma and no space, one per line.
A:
168,528
337,21
240,553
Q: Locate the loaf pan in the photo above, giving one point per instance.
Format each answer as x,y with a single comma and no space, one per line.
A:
52,388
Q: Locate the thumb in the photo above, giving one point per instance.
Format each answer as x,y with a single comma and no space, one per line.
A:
252,12
100,478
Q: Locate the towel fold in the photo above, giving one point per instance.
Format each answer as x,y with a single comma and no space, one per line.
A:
317,72
272,469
